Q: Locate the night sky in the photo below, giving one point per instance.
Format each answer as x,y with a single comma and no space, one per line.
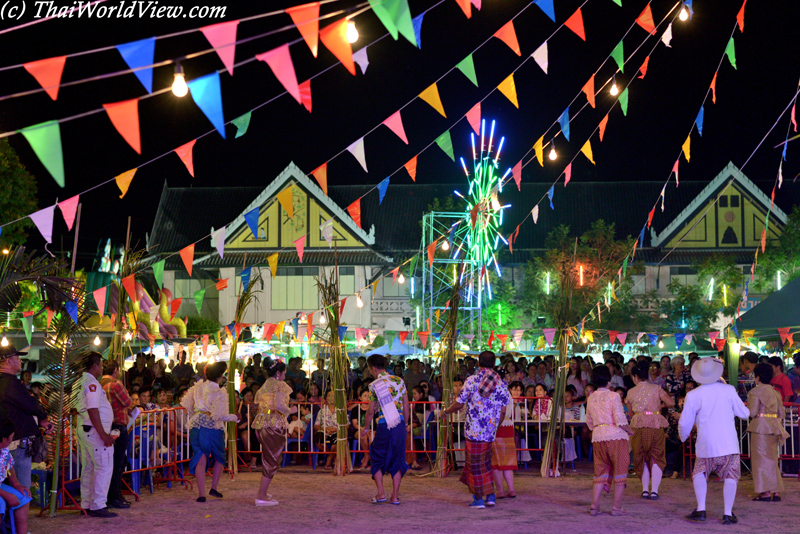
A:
641,146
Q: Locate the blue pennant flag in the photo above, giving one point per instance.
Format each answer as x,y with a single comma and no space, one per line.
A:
295,326
458,332
246,278
382,187
746,288
207,94
342,332
679,339
735,330
547,7
72,310
641,238
688,4
784,148
166,347
550,196
251,218
450,236
417,23
563,120
140,54
653,339
699,122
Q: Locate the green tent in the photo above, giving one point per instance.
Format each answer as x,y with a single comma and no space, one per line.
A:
779,310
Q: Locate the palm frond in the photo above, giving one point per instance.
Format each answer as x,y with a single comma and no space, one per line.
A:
48,274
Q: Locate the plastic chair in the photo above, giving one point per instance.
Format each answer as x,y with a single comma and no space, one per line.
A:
307,439
10,515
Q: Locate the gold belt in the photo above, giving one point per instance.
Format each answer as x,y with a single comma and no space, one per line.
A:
604,424
207,413
768,415
650,413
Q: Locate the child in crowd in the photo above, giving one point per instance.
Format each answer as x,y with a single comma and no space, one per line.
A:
13,495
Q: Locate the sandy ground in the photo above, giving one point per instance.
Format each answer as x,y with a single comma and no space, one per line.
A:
318,502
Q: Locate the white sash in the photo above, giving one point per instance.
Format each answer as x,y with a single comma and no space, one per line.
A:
388,407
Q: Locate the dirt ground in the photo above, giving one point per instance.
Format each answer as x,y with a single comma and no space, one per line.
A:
318,502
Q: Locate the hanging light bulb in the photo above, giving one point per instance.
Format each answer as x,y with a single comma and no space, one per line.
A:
179,87
352,32
684,15
4,342
322,319
614,89
446,246
552,154
127,336
359,302
401,279
660,343
96,341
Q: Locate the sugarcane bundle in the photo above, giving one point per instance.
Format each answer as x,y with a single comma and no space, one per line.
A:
447,363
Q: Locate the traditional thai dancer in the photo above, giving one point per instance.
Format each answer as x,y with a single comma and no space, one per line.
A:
207,407
712,408
388,402
270,425
649,440
486,396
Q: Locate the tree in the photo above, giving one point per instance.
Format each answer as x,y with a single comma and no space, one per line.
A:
17,196
782,255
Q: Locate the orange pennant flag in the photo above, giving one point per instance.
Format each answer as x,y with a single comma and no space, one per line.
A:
763,240
124,181
222,283
411,167
603,124
431,250
185,153
305,94
643,68
321,175
306,18
285,199
509,36
740,17
48,73
714,89
174,306
341,306
466,7
645,20
187,255
474,118
354,210
50,314
125,118
129,283
334,37
431,96
575,23
589,90
508,88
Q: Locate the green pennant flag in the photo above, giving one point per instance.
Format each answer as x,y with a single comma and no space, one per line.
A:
618,55
45,140
242,123
27,325
623,101
467,66
446,144
158,272
625,266
730,51
198,300
395,16
414,259
618,2
216,338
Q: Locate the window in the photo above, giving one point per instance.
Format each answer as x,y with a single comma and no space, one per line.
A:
294,288
734,201
394,291
684,275
723,201
639,284
347,280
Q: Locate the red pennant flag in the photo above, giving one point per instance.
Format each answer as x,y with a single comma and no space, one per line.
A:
509,36
238,327
395,124
491,339
187,255
511,243
720,343
269,331
612,336
222,37
603,124
125,118
431,251
300,245
784,333
205,344
589,90
473,214
341,306
321,175
650,217
305,94
567,174
474,118
311,326
516,172
354,210
394,272
174,307
772,196
48,73
714,89
675,170
575,23
622,337
306,18
129,284
645,20
423,336
100,299
643,68
740,17
402,336
635,244
68,209
466,7
280,61
222,283
185,153
27,313
503,338
334,37
50,314
411,167
763,240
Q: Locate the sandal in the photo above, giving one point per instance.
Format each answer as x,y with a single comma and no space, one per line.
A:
776,498
618,512
376,500
763,499
511,495
653,496
595,512
645,495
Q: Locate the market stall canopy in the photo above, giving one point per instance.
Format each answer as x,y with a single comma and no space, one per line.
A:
397,349
779,310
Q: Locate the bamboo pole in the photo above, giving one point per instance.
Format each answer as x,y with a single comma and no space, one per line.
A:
447,364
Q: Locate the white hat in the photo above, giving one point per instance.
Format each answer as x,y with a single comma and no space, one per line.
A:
707,370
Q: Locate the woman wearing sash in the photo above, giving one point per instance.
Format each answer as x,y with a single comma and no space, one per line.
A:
767,433
270,425
387,397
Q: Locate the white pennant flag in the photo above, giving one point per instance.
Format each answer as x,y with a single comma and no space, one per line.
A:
780,174
43,219
360,57
218,240
357,150
535,213
327,231
662,197
540,56
667,37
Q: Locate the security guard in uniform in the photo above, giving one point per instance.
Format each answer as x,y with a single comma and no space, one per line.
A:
95,417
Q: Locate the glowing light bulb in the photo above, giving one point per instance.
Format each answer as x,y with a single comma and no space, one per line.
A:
401,279
495,203
552,155
446,246
5,251
684,15
352,32
584,340
359,302
127,336
4,342
96,341
322,319
179,87
614,89
660,344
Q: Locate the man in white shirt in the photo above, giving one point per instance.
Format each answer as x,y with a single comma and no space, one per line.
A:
712,408
95,417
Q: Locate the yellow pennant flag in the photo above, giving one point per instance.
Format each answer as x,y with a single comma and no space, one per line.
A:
437,316
132,320
589,335
124,181
508,88
431,96
374,288
538,147
686,147
279,330
272,260
285,198
541,343
587,151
